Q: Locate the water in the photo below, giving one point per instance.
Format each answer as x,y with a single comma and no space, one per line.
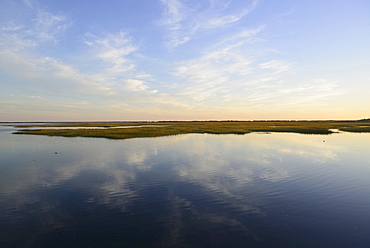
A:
254,190
81,127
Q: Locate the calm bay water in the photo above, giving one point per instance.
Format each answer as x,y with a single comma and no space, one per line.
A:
254,190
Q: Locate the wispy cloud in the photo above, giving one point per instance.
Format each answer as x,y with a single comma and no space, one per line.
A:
222,20
175,12
114,65
219,71
11,26
48,26
110,71
113,50
113,75
231,75
276,66
185,20
29,3
38,24
282,94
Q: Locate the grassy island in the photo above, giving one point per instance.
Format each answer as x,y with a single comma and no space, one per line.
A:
127,130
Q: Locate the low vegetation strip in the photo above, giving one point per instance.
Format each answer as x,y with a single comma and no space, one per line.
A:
159,129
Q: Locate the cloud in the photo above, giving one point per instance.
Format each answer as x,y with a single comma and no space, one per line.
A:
29,3
174,12
221,21
219,71
22,47
276,65
44,73
184,21
113,50
48,26
36,23
109,70
212,72
135,85
284,95
232,75
12,26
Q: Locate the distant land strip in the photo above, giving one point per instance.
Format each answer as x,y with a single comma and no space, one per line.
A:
128,130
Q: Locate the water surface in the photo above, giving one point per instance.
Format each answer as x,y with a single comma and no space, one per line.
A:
194,190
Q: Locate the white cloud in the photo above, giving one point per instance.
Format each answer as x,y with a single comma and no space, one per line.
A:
135,85
283,94
175,11
221,21
46,74
231,75
219,71
113,50
205,75
185,21
10,43
47,26
23,49
276,65
12,26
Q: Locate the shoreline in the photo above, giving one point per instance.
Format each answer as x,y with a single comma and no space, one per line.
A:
127,130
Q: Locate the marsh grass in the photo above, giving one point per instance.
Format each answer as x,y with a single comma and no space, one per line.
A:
159,129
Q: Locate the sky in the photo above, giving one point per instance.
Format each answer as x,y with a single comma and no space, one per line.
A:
149,60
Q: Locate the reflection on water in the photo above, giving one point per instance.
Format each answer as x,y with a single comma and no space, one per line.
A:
254,190
103,127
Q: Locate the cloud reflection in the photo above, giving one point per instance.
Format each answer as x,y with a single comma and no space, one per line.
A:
203,180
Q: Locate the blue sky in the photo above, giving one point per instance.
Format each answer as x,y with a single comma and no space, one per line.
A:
184,60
